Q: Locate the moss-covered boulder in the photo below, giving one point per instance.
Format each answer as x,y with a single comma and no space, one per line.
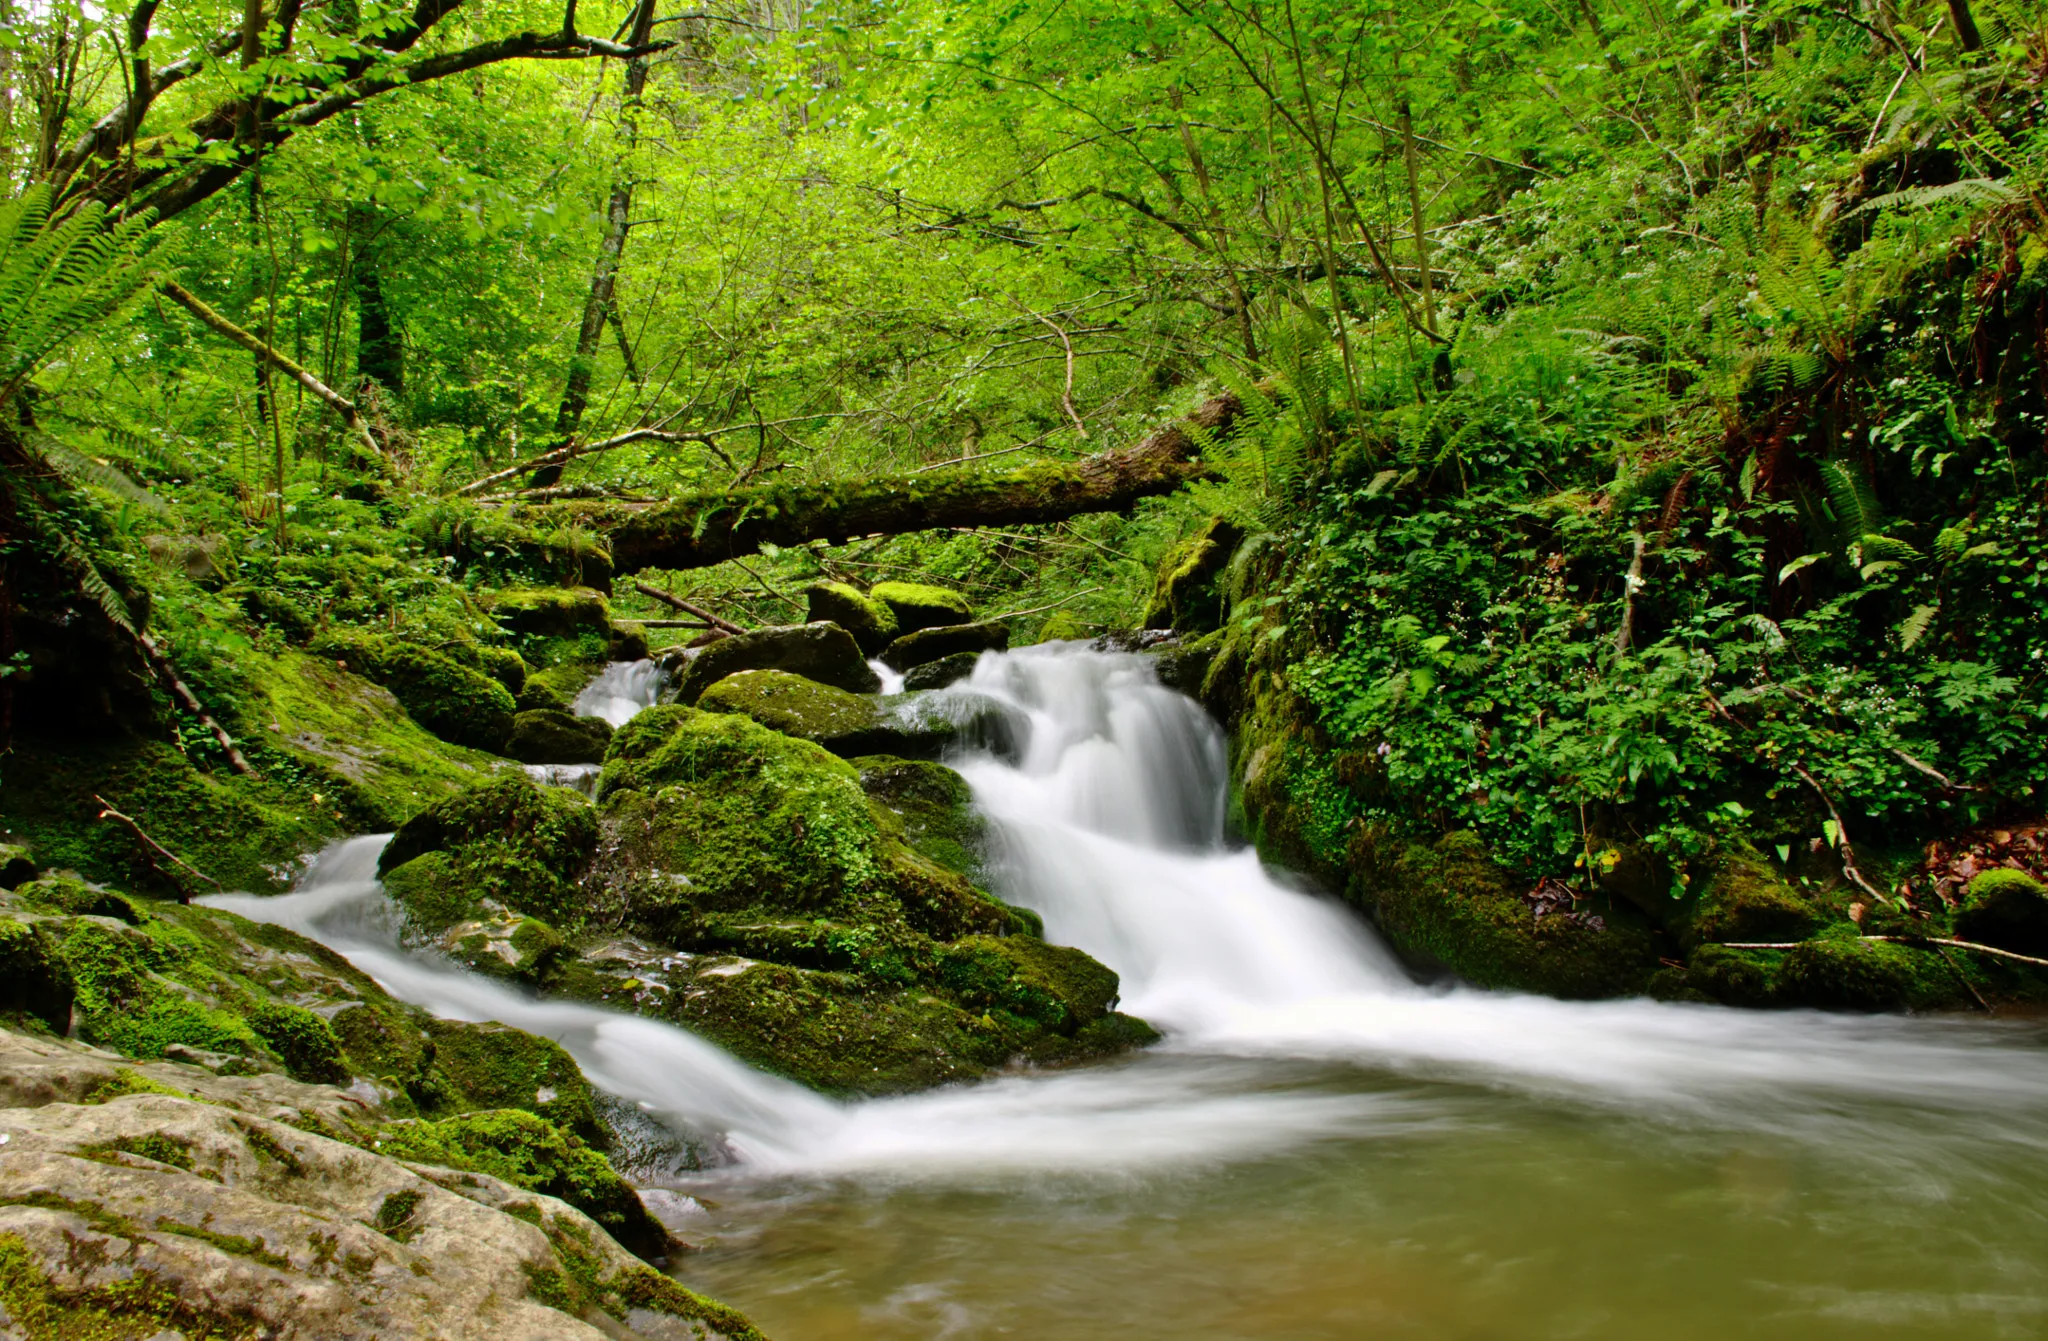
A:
776,904
846,724
1448,903
1746,899
872,624
552,736
552,612
17,865
507,842
522,949
502,664
2008,909
1185,594
34,979
825,653
932,644
537,694
918,606
455,703
938,674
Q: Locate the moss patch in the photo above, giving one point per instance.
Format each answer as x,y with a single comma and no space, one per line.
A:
508,840
872,624
918,606
448,699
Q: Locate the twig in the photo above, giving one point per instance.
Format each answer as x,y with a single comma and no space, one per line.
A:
1041,609
161,664
763,582
107,812
1937,775
1630,585
981,456
1067,395
562,451
679,603
339,403
1897,940
1842,843
673,624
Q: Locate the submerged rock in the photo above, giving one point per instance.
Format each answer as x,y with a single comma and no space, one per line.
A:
932,644
917,606
872,624
825,653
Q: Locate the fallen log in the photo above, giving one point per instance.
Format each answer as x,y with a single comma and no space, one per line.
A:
698,530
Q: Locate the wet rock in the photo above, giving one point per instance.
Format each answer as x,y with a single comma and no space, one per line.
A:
1185,593
825,653
938,674
931,644
221,1217
917,606
506,945
872,624
1745,899
2008,909
508,842
846,724
34,979
553,736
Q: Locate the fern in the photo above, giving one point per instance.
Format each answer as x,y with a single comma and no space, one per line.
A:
60,276
1852,500
1916,626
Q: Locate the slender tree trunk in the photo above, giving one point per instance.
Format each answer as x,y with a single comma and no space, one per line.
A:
618,222
1965,24
378,356
1415,220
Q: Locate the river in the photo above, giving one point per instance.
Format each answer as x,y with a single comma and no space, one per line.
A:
1320,1147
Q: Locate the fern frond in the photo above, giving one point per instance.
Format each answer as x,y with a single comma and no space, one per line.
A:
79,469
1916,625
1852,499
72,556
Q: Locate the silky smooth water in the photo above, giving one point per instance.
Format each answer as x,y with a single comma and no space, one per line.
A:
1321,1147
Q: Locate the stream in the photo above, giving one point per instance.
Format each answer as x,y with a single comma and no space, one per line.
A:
1320,1147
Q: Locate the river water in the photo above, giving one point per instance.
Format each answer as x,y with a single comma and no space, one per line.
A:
1321,1147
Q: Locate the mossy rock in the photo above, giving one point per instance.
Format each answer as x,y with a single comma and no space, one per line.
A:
1063,626
932,644
502,664
538,695
552,612
519,949
938,674
531,1152
552,736
715,811
510,841
628,642
1185,593
1745,899
1060,988
872,624
1184,665
846,724
917,606
493,1066
34,979
2008,909
455,703
17,865
1449,904
825,653
1850,973
305,1042
934,806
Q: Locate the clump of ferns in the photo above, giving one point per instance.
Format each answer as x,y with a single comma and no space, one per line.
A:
60,275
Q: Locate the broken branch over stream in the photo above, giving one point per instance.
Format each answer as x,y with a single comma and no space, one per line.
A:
698,530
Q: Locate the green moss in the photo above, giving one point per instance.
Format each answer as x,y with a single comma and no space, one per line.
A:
453,702
935,807
936,644
825,653
552,736
2008,909
162,1147
918,606
508,840
539,695
237,1245
1450,904
1059,988
127,999
302,1040
1733,977
871,623
492,1066
129,1310
125,1082
35,981
551,612
1855,974
532,1153
394,1214
17,865
657,1293
1063,626
1185,593
1746,900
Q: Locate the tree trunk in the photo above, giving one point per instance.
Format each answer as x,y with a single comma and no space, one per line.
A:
379,358
698,530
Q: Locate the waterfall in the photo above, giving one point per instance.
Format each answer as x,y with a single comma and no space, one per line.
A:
1108,820
619,692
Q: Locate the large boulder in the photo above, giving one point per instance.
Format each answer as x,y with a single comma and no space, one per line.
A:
872,624
823,652
551,612
846,724
552,736
934,644
455,703
2008,909
917,606
507,842
1745,899
163,1201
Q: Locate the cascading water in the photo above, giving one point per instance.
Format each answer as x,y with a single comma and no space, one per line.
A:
620,692
1290,1030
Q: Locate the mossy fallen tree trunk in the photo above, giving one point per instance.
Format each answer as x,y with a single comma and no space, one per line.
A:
698,530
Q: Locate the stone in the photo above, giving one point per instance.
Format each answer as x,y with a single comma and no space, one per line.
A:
872,624
1185,593
846,724
2008,909
938,674
202,558
552,736
552,612
455,703
34,979
931,644
917,606
17,865
823,652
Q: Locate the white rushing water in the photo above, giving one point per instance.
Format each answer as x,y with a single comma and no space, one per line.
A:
619,692
1109,821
